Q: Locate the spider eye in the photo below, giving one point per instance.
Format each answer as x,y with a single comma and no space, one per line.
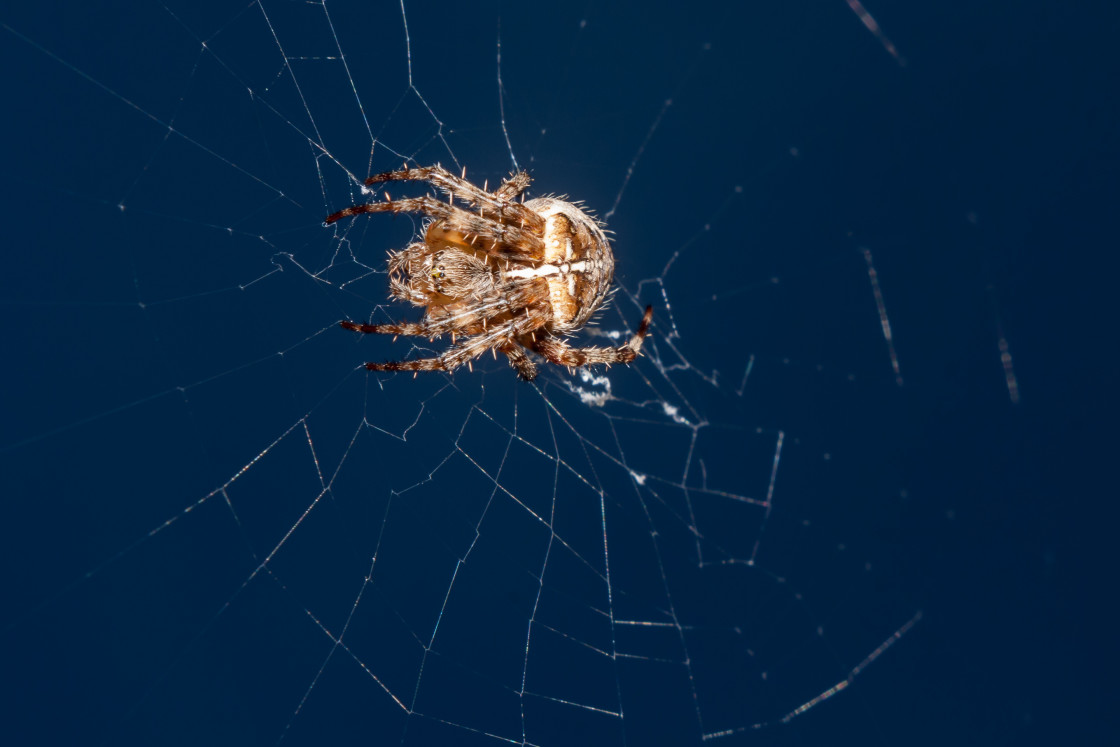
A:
438,273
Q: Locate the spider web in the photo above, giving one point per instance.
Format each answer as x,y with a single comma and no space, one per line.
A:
229,531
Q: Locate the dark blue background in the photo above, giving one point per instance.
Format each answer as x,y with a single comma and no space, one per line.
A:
170,299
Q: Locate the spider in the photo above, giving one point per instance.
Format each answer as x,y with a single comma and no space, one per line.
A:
509,277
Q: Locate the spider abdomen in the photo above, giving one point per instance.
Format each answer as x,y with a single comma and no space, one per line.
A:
576,246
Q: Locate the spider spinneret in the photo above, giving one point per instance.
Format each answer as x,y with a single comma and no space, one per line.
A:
513,276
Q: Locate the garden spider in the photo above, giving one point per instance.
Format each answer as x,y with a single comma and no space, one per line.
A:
511,276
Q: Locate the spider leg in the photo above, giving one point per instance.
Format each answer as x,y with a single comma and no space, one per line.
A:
500,201
513,186
419,364
502,337
455,219
430,328
558,351
407,328
449,360
526,369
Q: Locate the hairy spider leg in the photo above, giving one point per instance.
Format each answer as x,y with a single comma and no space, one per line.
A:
427,328
502,337
526,369
513,186
449,360
468,318
552,349
500,201
406,328
455,219
558,351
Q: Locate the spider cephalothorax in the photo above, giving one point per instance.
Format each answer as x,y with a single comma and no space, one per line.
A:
502,277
